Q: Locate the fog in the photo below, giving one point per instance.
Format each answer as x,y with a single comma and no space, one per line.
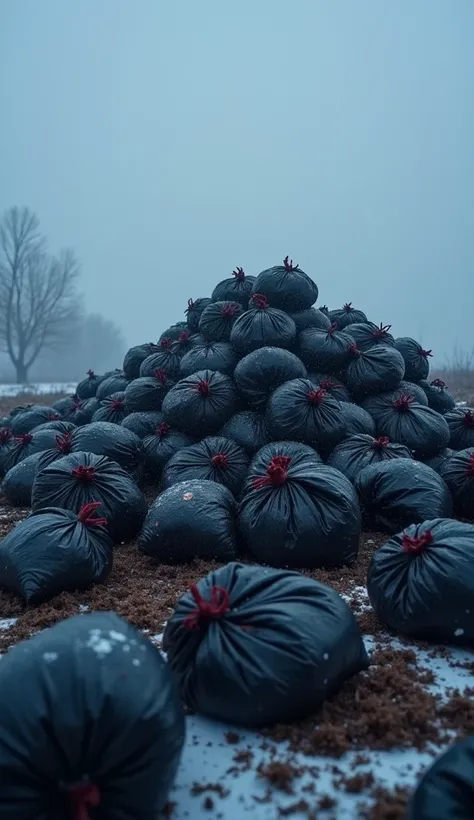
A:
169,142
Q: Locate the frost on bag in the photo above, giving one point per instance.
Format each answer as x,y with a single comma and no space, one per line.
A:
56,550
192,519
420,583
447,788
296,512
101,731
255,646
394,494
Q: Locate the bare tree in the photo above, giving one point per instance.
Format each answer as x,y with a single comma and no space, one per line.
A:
39,304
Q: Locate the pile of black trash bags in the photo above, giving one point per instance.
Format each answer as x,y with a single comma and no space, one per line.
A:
269,429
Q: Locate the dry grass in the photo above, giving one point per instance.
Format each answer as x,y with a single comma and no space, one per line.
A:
460,383
7,403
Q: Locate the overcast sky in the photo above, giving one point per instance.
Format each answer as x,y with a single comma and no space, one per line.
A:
169,142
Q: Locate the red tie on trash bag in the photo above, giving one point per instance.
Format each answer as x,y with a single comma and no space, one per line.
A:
207,611
413,545
84,796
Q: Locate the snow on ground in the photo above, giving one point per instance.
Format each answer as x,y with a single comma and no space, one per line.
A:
236,791
38,389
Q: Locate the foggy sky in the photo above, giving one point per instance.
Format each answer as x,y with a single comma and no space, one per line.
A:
169,142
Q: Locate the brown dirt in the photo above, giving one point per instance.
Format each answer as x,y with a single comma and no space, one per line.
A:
387,707
7,403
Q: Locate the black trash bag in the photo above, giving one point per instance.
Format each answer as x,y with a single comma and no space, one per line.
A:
82,478
331,385
112,409
17,486
357,452
367,335
143,424
146,394
296,512
60,427
87,388
7,443
377,370
238,288
262,326
437,461
411,389
213,459
301,411
347,315
447,788
420,583
192,519
259,373
113,441
458,473
194,311
247,429
311,317
184,343
356,420
209,356
54,551
421,429
400,492
200,404
438,396
286,287
35,442
136,356
461,428
416,358
166,359
115,383
66,407
84,411
252,631
159,446
174,331
26,421
218,319
325,351
86,694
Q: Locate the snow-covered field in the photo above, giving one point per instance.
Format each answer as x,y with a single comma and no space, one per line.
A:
38,389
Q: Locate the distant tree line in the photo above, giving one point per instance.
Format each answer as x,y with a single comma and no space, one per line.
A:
44,330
